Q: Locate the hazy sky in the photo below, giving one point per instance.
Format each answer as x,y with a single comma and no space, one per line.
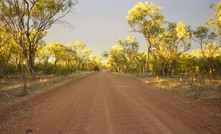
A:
100,23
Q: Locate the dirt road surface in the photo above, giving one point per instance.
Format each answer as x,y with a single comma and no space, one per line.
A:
106,103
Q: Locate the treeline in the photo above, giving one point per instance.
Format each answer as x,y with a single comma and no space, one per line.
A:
54,58
57,58
126,57
171,48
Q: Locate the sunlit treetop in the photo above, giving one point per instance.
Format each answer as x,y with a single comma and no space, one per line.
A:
79,45
146,18
201,32
144,11
215,20
218,9
208,51
117,48
131,38
181,30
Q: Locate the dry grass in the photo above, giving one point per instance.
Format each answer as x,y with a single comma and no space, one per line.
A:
11,88
201,87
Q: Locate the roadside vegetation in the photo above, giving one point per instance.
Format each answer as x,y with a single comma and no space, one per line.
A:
178,57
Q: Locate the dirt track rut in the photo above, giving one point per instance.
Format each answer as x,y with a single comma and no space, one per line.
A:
111,103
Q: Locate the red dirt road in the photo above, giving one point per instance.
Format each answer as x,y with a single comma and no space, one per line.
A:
110,103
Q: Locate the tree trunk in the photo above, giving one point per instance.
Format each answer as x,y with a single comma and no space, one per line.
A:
78,66
148,62
171,67
55,62
212,68
29,58
24,90
164,72
213,73
30,64
118,68
68,65
46,64
18,65
4,66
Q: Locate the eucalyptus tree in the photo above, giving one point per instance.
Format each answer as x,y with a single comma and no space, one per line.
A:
69,57
28,21
85,57
117,59
6,56
146,18
5,37
95,63
58,52
175,40
130,47
207,48
82,54
215,22
140,61
209,39
105,54
43,55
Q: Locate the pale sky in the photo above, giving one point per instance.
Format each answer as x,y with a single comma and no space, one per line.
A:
100,23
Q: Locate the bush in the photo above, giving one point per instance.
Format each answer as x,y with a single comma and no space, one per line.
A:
1,75
64,70
96,68
12,69
58,70
50,69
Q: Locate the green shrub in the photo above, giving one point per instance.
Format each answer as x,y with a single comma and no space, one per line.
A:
96,68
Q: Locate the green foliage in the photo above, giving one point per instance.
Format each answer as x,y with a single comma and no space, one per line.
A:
66,58
105,54
210,41
125,57
96,68
28,20
145,14
64,70
167,51
50,69
146,18
12,69
181,30
215,20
